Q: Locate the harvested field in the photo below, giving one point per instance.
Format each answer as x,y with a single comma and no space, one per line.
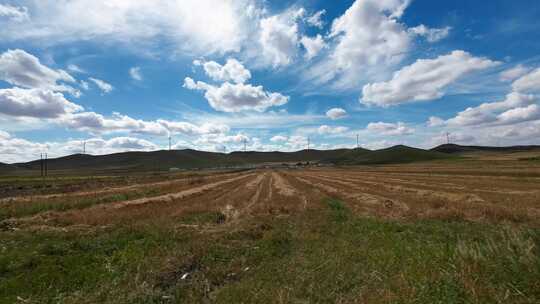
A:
361,234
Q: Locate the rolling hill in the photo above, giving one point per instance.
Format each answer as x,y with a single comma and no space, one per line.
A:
190,159
458,149
184,159
393,155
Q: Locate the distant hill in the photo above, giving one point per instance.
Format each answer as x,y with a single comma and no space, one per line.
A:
183,159
393,155
190,159
458,149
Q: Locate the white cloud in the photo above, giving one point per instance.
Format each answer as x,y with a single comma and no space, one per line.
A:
96,123
368,39
85,85
384,128
4,135
187,128
237,97
528,83
279,139
490,112
102,85
36,103
336,113
135,73
435,121
424,80
15,149
312,45
520,114
233,70
325,129
316,19
20,68
514,73
279,38
75,69
431,34
14,13
222,139
227,23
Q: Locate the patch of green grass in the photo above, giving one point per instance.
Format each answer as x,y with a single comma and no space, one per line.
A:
320,256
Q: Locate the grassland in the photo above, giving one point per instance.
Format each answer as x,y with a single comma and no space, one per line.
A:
452,231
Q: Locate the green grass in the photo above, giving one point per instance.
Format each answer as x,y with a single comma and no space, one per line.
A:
22,209
325,256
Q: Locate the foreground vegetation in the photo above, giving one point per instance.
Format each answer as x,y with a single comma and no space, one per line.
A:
325,255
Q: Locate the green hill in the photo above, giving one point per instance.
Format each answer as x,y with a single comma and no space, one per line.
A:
458,149
183,159
393,155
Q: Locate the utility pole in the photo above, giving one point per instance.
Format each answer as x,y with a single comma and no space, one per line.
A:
169,142
357,141
308,142
46,164
84,147
41,163
245,145
447,138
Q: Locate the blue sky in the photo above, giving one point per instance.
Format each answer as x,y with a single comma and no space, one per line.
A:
213,74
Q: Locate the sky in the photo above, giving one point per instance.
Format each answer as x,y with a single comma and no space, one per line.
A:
218,75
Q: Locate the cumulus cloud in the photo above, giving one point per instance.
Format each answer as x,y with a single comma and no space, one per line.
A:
38,103
102,85
191,129
424,80
435,121
520,114
336,113
515,105
325,129
367,38
316,19
228,23
13,149
14,13
384,128
135,73
97,124
233,70
528,83
514,73
313,45
20,68
279,37
431,34
279,139
237,97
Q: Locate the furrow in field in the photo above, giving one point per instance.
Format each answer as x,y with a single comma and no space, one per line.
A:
392,188
133,209
358,198
106,190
